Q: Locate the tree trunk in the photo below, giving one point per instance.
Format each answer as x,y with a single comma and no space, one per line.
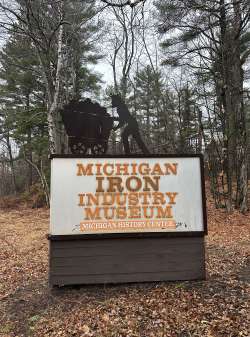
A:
11,162
29,146
226,70
53,120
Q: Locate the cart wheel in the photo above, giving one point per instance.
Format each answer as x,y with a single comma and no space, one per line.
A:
79,148
99,149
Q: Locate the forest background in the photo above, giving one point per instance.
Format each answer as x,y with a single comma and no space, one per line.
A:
181,66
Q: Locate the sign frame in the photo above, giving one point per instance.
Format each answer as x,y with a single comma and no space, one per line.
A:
139,234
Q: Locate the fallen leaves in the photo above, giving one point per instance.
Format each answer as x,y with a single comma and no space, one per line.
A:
85,329
217,307
105,318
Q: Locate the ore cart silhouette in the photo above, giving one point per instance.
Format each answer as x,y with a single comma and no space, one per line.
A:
88,126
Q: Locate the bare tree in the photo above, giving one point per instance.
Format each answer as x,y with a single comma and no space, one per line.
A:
123,45
121,3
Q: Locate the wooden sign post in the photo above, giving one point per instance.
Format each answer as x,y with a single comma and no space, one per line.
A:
127,219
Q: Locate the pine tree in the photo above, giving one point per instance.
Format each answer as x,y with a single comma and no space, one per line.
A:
22,99
154,109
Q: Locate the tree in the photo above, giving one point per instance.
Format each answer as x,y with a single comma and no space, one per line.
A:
24,95
123,47
153,107
120,3
208,33
23,104
46,24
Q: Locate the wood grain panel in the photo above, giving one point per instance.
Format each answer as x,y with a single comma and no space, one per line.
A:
126,260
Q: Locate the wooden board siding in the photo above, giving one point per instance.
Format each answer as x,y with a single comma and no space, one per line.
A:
126,260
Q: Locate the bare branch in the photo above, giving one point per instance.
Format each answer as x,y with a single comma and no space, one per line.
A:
131,3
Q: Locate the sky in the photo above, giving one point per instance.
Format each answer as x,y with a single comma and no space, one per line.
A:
106,70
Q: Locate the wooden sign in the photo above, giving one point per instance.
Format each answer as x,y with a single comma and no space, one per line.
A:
127,219
126,195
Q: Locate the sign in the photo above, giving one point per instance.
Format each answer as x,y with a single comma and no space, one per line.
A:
126,195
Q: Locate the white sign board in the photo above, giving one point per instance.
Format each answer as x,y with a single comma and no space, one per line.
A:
126,195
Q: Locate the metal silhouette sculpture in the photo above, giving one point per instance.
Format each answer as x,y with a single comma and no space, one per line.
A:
131,128
88,126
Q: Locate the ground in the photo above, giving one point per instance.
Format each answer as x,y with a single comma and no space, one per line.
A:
213,308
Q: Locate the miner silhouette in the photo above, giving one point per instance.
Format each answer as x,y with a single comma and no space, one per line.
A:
131,128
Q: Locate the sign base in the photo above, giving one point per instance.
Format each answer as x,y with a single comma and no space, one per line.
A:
124,260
